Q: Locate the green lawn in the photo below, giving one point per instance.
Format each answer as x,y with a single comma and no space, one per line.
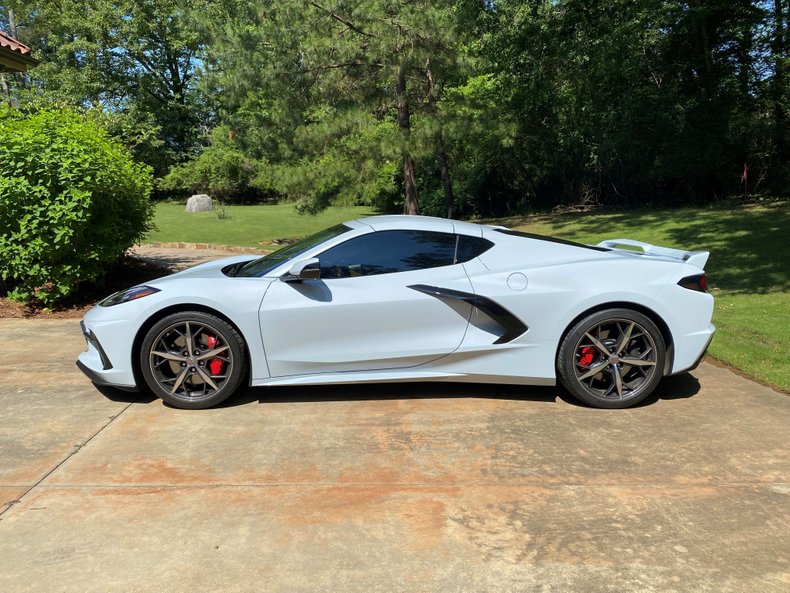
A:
249,226
748,271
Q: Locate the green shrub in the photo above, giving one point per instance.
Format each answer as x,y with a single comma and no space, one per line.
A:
72,200
221,170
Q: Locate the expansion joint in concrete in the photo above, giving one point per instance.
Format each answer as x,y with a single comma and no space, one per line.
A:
73,452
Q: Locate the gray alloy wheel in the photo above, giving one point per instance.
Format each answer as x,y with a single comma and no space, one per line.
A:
612,359
193,360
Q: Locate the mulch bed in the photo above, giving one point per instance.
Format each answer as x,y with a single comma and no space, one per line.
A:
132,270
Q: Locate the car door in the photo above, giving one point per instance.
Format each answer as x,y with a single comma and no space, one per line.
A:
365,313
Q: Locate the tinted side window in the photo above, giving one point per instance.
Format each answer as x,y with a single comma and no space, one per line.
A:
385,252
471,247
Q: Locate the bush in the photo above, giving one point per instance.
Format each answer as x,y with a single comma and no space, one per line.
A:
221,170
72,200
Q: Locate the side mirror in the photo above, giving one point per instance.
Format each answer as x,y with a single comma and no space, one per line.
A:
305,269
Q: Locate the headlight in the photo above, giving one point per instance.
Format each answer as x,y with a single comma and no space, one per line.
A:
130,294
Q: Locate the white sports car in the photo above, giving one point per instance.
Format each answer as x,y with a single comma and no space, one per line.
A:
410,298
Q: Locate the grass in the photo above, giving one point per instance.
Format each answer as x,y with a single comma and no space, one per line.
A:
248,226
748,271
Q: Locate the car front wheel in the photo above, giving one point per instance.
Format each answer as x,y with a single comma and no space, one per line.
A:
193,360
612,359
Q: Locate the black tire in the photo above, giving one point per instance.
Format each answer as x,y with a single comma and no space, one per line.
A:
178,365
617,384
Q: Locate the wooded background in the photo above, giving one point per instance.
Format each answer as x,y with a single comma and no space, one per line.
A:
456,108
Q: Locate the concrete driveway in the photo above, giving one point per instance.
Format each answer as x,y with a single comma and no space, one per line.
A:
425,487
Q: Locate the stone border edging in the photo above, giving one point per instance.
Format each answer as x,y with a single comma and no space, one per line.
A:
206,246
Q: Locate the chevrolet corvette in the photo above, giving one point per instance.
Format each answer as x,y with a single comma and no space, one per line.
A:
410,298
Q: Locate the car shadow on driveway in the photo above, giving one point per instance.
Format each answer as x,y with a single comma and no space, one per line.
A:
399,391
130,397
677,387
680,386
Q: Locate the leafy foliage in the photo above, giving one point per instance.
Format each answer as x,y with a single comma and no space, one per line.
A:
71,202
512,105
465,107
631,102
136,58
222,170
337,101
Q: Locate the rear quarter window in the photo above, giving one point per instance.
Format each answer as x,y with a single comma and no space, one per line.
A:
470,248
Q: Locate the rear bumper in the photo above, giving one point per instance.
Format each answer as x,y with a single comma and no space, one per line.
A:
701,356
690,349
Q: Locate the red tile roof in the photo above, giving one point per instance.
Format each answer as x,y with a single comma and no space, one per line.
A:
8,42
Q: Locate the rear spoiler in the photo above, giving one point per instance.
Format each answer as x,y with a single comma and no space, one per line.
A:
695,258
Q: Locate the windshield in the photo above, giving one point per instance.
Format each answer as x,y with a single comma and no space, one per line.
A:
264,265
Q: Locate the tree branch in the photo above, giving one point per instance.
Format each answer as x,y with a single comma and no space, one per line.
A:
341,65
340,19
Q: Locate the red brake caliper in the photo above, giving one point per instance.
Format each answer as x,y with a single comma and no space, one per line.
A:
215,365
587,355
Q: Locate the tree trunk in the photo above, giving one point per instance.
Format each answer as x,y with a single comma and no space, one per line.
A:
447,184
745,67
441,153
412,204
778,87
13,30
704,56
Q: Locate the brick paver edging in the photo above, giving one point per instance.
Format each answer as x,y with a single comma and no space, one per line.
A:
207,246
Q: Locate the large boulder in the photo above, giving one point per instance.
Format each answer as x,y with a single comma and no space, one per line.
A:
199,203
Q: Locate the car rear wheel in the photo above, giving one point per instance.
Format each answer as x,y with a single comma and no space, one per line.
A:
612,359
193,360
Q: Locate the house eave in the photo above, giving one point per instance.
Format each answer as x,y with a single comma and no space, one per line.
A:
12,61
